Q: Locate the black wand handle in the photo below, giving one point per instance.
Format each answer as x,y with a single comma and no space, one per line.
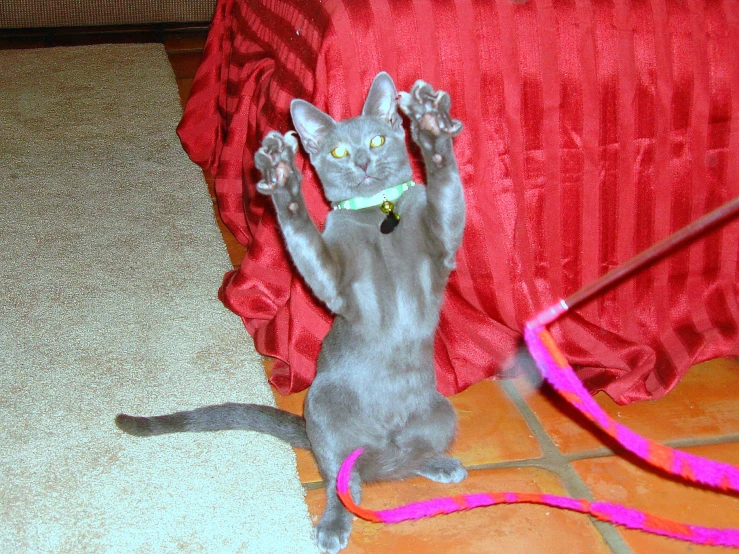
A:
654,253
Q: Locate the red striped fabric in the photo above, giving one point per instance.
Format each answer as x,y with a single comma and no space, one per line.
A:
592,130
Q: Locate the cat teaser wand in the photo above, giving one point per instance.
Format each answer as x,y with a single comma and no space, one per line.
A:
557,371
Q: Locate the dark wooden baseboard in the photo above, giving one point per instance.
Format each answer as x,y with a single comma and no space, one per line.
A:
184,34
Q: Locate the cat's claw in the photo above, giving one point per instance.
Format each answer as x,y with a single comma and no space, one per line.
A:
275,160
428,111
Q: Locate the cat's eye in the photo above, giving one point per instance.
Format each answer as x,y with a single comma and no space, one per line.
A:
340,152
377,141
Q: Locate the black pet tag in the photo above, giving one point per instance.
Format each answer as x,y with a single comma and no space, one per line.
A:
390,222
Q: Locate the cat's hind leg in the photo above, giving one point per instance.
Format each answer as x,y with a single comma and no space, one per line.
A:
333,428
335,525
334,528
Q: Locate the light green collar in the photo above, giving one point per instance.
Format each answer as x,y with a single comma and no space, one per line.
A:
362,202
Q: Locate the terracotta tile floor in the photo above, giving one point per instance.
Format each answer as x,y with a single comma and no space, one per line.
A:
511,437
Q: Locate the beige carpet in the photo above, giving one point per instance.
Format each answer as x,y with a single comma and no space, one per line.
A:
109,266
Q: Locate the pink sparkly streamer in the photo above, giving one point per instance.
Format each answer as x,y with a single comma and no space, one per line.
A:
556,370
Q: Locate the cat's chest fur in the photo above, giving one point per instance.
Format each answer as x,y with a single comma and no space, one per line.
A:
391,282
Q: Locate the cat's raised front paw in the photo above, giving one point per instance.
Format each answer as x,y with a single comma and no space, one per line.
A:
428,111
276,161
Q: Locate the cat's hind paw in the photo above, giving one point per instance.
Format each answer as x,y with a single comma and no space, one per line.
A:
276,161
333,535
443,470
432,126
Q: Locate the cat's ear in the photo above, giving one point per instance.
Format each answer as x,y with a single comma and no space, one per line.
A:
382,100
312,124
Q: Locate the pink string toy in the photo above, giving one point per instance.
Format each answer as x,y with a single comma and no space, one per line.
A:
559,374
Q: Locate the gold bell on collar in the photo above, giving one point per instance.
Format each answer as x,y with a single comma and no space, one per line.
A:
389,224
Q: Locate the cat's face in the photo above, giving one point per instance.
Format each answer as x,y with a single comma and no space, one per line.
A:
359,156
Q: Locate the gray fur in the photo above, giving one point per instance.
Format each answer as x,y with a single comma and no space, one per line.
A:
223,417
375,386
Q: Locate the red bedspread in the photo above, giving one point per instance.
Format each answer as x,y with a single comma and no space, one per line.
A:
593,129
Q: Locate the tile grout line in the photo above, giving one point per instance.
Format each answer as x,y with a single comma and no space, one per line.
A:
313,485
555,461
707,441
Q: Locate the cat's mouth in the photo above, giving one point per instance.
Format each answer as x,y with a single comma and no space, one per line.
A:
368,181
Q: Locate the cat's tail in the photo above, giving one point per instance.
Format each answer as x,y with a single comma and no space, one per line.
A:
249,417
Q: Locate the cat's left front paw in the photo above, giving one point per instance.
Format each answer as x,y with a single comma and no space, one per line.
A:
432,126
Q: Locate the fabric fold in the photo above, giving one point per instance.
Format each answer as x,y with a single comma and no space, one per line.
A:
592,130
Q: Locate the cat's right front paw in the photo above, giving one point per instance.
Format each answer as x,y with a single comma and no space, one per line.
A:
276,161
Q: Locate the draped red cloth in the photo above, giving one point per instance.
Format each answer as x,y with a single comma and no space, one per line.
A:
592,130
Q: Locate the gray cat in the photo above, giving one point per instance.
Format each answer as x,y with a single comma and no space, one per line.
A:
380,265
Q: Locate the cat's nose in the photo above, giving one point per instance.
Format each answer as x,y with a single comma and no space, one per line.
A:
362,161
